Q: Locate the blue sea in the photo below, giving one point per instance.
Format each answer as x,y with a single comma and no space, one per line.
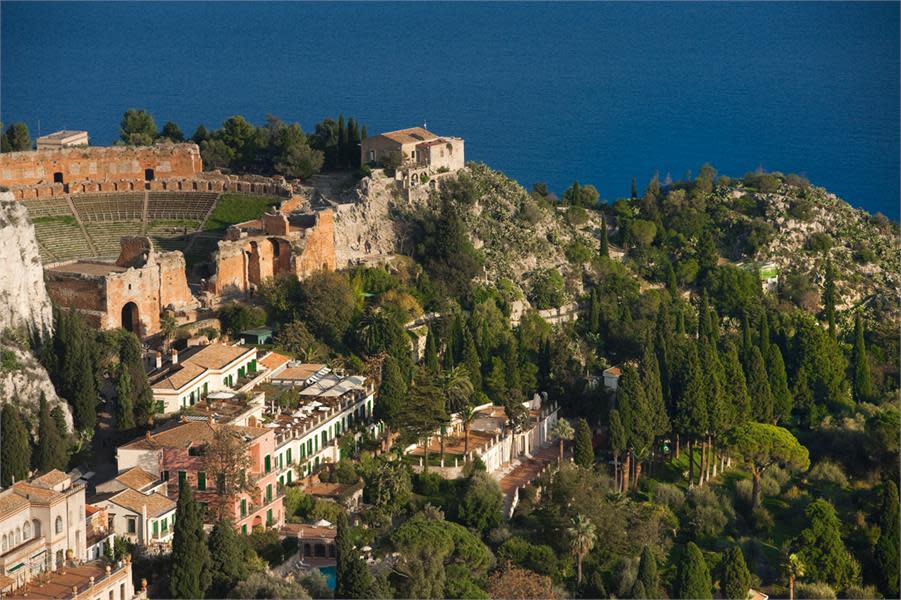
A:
597,93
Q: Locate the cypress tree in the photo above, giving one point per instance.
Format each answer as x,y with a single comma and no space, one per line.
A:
765,336
680,322
618,438
829,296
736,386
125,418
672,285
782,398
496,381
51,452
392,393
887,553
638,591
447,360
511,362
746,343
803,395
647,573
605,245
693,578
704,317
364,134
227,565
60,419
822,550
190,574
735,580
594,312
471,360
15,451
342,141
860,383
352,577
691,403
638,421
718,411
653,388
759,388
634,189
458,339
583,451
431,352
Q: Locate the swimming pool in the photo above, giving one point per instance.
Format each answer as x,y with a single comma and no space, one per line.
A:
329,573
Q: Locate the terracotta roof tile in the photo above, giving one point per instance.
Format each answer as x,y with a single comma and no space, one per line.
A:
406,136
156,503
10,502
136,478
273,360
185,435
51,478
218,356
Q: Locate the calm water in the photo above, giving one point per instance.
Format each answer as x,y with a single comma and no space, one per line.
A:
594,92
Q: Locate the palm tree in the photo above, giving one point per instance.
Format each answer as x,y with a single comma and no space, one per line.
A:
582,537
168,326
467,416
793,566
457,388
563,431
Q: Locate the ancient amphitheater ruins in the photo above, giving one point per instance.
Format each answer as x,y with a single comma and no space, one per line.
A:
124,238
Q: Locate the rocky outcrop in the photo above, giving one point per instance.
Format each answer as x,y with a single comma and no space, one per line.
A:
23,296
27,312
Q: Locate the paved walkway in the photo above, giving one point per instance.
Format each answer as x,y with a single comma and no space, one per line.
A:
526,471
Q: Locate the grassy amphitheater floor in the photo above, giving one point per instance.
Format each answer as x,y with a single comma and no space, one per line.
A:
89,226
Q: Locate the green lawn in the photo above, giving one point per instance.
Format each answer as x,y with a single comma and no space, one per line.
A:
64,219
236,208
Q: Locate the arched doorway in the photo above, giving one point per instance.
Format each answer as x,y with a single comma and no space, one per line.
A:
130,320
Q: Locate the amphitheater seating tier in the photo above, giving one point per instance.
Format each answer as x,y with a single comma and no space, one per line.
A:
106,238
49,207
61,240
108,208
180,205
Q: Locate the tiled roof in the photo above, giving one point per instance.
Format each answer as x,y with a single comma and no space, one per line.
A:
302,531
613,371
51,478
10,502
413,134
273,360
185,435
156,503
136,478
35,493
218,356
299,373
180,377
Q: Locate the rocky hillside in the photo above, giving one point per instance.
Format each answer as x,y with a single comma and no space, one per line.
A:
27,314
22,291
794,225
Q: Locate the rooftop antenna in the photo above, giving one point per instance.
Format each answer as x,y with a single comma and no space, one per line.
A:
424,124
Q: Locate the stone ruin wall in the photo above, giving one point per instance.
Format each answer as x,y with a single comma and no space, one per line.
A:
97,164
318,246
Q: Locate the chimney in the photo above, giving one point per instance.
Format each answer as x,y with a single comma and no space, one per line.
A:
173,354
159,359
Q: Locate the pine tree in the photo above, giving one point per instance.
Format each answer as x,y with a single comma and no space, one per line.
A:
860,366
227,565
392,393
829,296
887,553
583,450
736,579
647,573
693,578
736,386
605,244
125,418
759,388
782,397
190,575
352,577
51,452
471,360
822,550
431,352
15,450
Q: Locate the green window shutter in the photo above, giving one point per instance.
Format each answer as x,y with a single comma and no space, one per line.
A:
269,520
156,528
201,481
165,476
269,492
182,477
267,463
289,456
289,476
244,508
244,530
165,525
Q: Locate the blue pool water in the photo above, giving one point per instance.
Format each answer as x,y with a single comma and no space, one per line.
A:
545,92
329,573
